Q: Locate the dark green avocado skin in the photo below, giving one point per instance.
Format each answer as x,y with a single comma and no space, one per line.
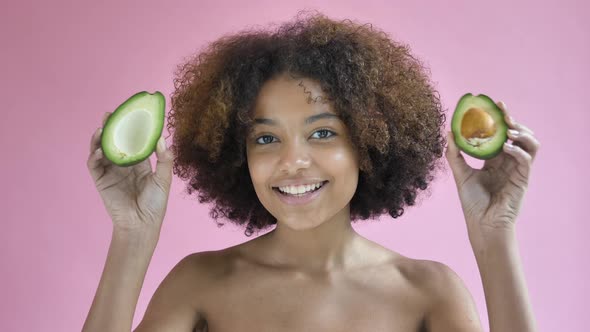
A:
113,117
481,100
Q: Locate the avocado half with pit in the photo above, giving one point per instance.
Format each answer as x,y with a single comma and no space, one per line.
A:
131,132
478,126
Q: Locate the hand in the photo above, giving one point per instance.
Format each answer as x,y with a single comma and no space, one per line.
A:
491,197
135,197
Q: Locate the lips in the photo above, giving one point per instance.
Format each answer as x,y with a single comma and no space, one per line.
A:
297,182
290,188
302,194
300,199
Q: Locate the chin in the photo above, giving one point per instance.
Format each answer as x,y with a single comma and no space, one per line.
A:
300,223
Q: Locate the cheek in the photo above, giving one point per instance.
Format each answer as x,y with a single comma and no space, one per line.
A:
343,164
344,158
259,169
340,156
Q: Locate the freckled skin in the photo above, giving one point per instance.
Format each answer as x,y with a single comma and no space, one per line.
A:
313,272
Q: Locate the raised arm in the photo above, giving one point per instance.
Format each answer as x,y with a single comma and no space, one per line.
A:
122,278
505,291
136,199
172,307
491,199
504,284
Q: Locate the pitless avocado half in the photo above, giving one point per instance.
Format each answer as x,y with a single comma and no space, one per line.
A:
131,133
478,126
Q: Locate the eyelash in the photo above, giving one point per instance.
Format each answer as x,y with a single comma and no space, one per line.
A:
322,129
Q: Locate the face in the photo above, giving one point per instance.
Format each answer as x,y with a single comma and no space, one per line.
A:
294,141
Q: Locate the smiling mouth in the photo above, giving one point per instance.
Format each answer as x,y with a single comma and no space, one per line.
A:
300,195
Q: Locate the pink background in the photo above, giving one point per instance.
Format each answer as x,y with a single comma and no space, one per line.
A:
64,63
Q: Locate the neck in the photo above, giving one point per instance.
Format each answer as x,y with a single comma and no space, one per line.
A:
331,246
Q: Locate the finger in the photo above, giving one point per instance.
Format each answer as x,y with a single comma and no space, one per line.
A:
95,140
105,117
461,170
512,124
523,162
518,126
163,174
95,165
525,140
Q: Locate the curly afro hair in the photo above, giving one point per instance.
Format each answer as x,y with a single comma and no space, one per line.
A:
382,92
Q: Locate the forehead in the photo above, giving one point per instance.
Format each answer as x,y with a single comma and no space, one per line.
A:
286,95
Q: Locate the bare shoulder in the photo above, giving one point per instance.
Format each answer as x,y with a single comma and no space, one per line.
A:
427,275
200,268
435,280
450,304
205,262
177,304
430,276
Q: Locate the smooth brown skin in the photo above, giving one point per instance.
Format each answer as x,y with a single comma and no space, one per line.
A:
313,272
237,290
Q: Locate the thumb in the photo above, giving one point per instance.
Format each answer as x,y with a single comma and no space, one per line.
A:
459,166
163,174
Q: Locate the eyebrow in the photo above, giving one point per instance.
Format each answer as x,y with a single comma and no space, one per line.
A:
309,120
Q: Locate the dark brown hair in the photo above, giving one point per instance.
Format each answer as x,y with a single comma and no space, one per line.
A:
382,92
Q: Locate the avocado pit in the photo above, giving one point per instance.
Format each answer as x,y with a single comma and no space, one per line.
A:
477,126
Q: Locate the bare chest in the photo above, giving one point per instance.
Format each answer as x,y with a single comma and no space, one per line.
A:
291,302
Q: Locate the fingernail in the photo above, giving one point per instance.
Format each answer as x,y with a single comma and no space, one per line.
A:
98,152
162,144
513,132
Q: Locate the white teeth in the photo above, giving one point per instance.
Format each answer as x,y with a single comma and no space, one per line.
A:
295,190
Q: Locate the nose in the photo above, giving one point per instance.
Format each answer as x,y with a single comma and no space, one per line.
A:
294,157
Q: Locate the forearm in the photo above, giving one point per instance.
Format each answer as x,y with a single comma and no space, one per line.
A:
504,284
116,298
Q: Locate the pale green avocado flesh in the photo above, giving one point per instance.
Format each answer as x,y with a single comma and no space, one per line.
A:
131,133
479,147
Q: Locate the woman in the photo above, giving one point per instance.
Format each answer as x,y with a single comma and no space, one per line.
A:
310,128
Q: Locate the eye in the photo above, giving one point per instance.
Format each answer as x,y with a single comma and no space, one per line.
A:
266,141
325,131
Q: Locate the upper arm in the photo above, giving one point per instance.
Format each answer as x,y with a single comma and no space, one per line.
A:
453,307
172,308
